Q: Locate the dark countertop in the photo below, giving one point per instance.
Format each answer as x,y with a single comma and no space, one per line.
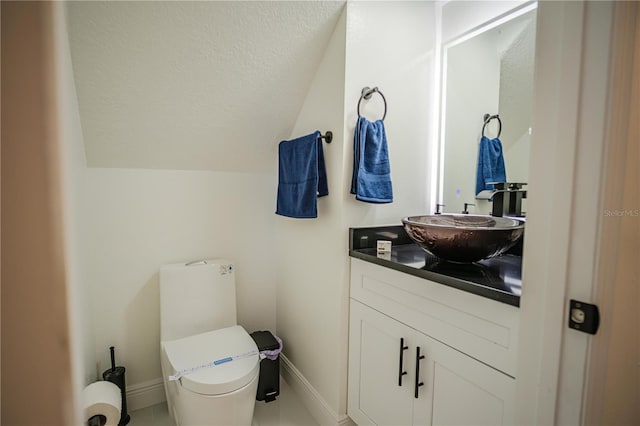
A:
498,278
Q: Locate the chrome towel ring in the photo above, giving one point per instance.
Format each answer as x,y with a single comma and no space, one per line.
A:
367,92
488,118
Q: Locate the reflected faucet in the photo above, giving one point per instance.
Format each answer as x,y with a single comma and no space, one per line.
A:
507,198
466,205
438,208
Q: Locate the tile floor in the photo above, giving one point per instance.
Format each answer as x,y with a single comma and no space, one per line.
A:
287,410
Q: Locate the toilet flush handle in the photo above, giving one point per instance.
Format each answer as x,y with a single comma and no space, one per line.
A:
196,262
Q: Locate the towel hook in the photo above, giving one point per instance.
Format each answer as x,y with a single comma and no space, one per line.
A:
367,92
488,118
328,136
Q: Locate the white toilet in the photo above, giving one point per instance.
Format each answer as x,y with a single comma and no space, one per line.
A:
198,326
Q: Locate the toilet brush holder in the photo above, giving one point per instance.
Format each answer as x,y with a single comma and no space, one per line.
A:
115,375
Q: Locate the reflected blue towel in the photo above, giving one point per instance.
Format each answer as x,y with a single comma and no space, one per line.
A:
371,179
490,164
302,177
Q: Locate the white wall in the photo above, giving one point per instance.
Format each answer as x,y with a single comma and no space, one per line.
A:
311,259
73,166
384,44
137,220
391,45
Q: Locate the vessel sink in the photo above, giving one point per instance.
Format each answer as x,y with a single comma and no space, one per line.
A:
463,238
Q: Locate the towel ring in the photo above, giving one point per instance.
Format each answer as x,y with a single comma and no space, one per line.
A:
488,118
367,92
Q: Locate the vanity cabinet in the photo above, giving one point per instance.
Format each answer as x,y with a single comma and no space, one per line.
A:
402,324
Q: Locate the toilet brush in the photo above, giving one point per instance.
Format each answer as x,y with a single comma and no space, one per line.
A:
115,375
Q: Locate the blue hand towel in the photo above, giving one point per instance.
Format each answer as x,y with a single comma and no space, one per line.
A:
371,179
302,177
490,164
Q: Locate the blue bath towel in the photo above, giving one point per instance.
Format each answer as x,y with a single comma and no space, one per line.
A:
371,179
302,177
490,164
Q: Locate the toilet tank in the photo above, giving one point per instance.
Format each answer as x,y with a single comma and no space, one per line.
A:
196,297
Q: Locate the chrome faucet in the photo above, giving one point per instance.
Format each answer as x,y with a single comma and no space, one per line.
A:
466,206
438,208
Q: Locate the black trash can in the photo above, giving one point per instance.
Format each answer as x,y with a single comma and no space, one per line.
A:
269,380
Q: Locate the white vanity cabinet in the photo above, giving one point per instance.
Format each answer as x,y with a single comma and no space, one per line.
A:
393,316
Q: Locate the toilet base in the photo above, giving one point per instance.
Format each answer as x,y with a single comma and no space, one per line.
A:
193,409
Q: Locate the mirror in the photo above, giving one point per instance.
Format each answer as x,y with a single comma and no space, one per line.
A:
489,71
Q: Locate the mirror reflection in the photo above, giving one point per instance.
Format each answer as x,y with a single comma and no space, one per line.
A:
489,73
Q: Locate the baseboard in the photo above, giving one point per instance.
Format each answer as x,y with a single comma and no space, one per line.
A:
346,421
145,394
312,400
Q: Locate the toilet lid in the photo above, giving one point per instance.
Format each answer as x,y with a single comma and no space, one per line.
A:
204,348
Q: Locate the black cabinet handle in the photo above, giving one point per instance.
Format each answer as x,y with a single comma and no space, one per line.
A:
401,371
418,382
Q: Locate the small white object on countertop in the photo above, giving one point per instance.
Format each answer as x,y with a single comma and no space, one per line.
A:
384,246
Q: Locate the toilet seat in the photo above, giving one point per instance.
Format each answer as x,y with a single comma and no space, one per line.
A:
204,348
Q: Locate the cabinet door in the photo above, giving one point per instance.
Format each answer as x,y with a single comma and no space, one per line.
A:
459,390
375,396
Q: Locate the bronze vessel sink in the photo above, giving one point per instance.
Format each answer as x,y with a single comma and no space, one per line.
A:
463,238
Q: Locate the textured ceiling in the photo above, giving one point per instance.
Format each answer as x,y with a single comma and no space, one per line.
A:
194,85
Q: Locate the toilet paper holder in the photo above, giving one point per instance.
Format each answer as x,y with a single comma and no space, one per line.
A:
115,375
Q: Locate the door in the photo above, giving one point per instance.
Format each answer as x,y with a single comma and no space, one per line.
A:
577,161
458,390
375,394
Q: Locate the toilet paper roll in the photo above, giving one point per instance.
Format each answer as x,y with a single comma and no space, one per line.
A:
102,398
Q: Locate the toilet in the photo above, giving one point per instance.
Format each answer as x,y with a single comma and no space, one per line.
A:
198,326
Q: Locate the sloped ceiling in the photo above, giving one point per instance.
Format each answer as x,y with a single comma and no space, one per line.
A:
194,85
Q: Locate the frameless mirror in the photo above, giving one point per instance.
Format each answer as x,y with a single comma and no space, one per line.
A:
487,72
